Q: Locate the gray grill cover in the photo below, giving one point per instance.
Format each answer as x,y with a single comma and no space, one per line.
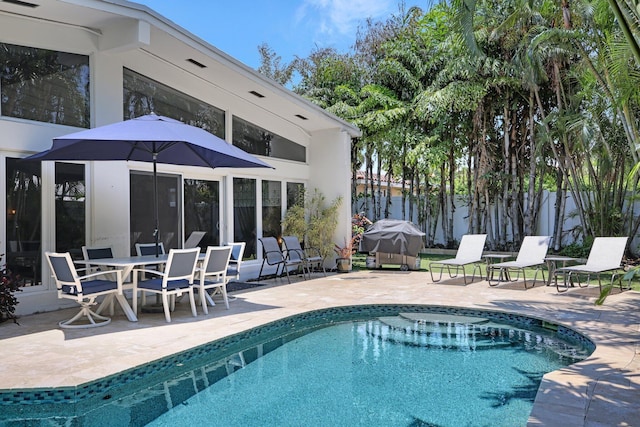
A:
393,236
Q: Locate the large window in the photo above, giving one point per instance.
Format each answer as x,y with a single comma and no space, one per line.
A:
256,140
271,208
143,95
142,216
295,194
70,208
244,214
24,220
202,210
44,85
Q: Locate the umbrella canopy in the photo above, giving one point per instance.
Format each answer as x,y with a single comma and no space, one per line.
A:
150,138
394,237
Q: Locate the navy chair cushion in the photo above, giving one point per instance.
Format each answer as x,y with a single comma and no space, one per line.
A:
156,284
91,287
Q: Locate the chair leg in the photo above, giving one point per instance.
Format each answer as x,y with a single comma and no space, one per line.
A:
224,296
165,306
203,299
192,301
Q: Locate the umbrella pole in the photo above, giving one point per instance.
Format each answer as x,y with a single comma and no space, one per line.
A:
156,231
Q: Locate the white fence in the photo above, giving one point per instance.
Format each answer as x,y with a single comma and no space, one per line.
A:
461,223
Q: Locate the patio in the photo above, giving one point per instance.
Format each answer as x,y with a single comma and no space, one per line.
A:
601,391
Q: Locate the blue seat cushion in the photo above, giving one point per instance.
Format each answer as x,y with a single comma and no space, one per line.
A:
156,284
232,271
91,287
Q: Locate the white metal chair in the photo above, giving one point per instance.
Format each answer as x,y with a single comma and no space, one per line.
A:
194,239
81,289
294,250
531,254
605,256
213,275
143,249
237,253
176,279
469,252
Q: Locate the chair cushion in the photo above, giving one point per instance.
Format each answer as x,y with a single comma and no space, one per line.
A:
232,271
156,285
91,287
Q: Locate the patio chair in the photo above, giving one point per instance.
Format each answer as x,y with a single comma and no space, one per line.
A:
237,252
143,249
213,275
176,279
292,246
96,252
531,255
469,252
272,255
605,256
82,289
194,239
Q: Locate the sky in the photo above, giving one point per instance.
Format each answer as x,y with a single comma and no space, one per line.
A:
289,27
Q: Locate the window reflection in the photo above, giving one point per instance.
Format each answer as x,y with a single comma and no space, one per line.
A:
244,214
70,208
202,210
44,85
271,208
256,140
295,194
143,95
24,220
142,214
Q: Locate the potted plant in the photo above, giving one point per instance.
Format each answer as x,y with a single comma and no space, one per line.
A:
344,252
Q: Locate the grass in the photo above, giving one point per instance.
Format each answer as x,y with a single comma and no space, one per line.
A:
359,263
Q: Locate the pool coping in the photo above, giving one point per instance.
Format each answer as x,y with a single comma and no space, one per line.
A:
601,390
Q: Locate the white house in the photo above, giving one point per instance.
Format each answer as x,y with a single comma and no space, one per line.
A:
66,65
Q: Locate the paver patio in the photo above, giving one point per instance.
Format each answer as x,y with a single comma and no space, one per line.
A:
603,390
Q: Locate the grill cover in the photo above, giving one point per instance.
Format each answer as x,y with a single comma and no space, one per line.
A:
393,236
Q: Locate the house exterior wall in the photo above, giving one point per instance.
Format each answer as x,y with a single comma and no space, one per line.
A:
128,43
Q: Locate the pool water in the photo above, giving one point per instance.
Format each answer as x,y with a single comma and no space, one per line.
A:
345,366
387,372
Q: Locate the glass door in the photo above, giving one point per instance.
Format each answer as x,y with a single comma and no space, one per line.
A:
142,212
202,210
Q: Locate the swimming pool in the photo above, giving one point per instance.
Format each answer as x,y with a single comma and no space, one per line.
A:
269,354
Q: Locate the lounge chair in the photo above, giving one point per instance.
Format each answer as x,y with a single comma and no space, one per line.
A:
469,252
82,289
176,279
213,275
605,256
531,255
272,255
194,239
292,246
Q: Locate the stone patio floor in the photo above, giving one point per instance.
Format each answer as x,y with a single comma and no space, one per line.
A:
603,390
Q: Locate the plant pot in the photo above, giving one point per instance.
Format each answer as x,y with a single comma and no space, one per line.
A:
343,265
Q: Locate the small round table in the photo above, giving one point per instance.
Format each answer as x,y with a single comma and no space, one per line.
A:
552,264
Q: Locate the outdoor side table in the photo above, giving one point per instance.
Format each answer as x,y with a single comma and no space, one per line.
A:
552,265
493,259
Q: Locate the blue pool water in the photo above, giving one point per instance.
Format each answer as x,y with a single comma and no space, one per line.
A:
387,368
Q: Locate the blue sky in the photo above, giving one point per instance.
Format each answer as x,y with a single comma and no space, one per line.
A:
289,27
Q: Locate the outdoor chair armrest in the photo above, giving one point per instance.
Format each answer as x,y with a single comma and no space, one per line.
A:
102,273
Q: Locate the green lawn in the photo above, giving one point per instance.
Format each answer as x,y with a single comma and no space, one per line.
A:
359,263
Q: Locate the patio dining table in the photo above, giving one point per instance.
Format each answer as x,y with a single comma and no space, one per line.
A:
126,264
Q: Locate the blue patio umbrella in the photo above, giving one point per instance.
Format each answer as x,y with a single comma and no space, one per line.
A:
150,138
